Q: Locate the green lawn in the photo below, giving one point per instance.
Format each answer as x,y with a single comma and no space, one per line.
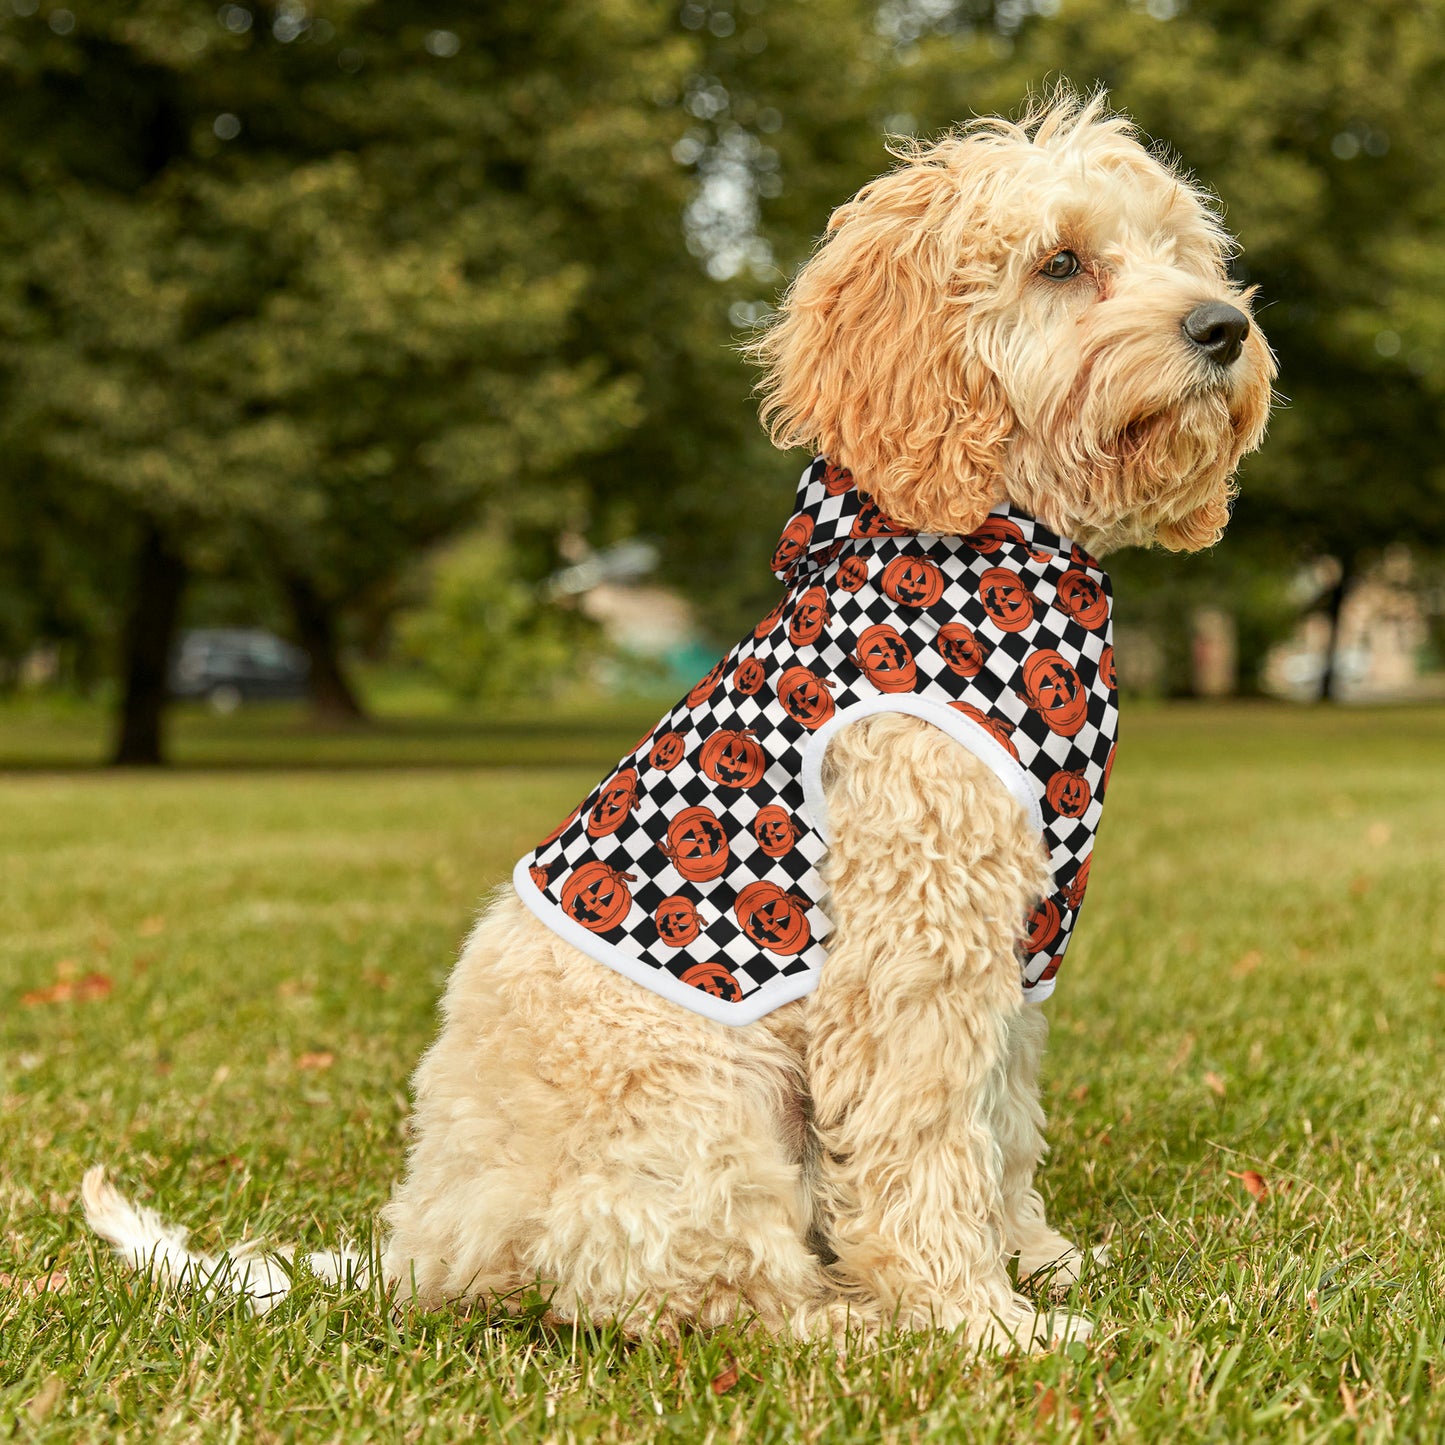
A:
1258,984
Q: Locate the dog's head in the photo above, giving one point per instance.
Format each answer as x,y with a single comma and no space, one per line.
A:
1036,311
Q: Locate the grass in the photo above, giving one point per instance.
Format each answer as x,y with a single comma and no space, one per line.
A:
217,981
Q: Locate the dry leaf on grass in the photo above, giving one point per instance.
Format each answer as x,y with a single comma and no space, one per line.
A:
56,1282
376,979
1214,1083
1247,965
1255,1184
722,1383
321,1059
1440,980
67,990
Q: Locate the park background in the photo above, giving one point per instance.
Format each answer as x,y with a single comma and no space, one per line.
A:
408,333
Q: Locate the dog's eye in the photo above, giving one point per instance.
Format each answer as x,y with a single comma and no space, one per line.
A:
1061,266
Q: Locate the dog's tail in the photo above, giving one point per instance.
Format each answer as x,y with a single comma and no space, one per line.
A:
147,1243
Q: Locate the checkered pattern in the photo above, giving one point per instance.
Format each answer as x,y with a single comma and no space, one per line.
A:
1006,631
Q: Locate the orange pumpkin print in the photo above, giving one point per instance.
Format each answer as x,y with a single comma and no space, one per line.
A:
667,752
696,844
749,677
561,827
852,573
999,729
1069,794
1106,669
810,617
1009,604
733,758
805,697
885,659
1073,892
775,830
871,522
1082,598
1081,558
836,479
538,876
596,895
1109,768
677,921
702,689
995,532
912,581
713,978
1052,688
1052,968
1042,926
773,919
793,543
962,649
616,800
770,619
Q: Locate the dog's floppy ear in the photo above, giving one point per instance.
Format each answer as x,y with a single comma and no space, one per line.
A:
871,358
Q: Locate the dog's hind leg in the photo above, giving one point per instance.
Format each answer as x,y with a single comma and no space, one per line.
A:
932,868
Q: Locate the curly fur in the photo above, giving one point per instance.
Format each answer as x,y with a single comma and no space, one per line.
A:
866,1155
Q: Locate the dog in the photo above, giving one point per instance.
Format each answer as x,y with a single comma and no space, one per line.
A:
1026,320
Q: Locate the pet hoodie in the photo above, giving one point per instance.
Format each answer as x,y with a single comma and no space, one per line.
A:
693,867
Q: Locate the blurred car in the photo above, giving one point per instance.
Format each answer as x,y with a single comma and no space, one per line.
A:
227,666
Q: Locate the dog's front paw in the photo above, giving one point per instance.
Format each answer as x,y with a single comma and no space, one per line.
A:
1056,1265
1023,1326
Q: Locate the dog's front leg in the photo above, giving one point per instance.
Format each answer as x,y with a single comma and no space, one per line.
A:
932,869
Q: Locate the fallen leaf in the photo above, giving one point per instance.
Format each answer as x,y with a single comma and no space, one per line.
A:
376,979
1254,1182
1360,885
1214,1083
81,990
1247,965
724,1382
56,1282
151,927
46,1398
1080,1094
321,1059
1440,980
1046,1408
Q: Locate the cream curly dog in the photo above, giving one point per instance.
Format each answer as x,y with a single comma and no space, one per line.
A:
1033,313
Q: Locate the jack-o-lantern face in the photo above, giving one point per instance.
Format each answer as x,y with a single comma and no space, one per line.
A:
770,619
734,759
616,800
773,919
912,581
1009,604
713,978
561,827
962,649
775,830
1052,688
805,697
749,677
871,522
696,844
995,532
596,896
677,921
1073,891
1082,598
667,751
885,659
702,689
1069,794
538,876
999,729
852,573
1106,669
1081,558
793,543
809,618
1042,926
836,479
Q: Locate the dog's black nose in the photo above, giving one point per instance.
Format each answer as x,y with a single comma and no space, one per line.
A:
1217,330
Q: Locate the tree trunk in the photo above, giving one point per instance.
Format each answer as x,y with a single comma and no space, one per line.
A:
150,630
1335,605
333,699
